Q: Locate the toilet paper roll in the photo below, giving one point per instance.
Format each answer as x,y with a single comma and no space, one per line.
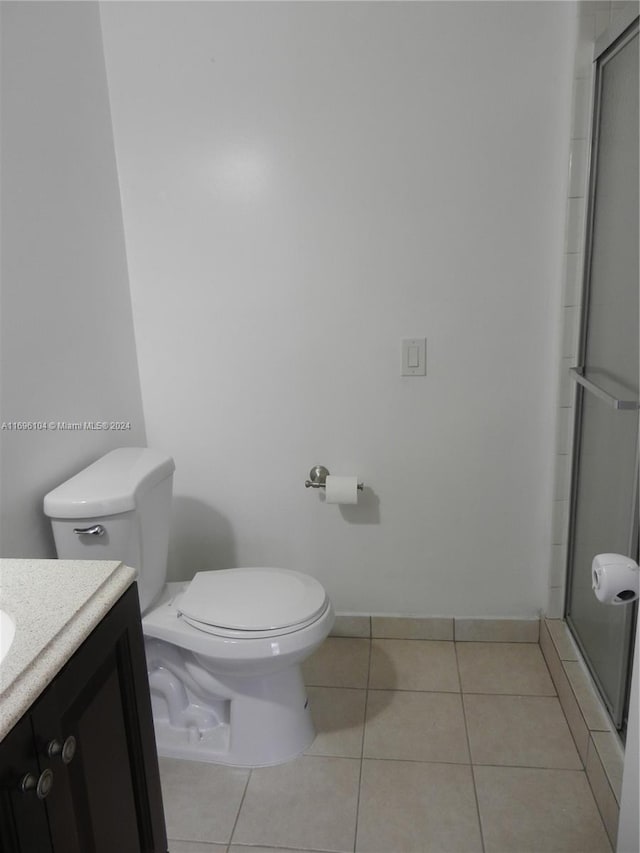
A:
615,579
341,490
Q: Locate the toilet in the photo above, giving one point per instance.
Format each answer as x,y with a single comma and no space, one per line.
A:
224,650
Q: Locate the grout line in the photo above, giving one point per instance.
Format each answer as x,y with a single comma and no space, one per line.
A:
449,692
364,728
250,847
313,755
529,767
477,764
466,732
244,794
422,761
519,695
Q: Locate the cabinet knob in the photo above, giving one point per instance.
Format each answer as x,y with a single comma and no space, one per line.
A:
41,784
65,750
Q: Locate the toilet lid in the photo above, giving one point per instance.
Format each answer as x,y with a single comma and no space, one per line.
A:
253,599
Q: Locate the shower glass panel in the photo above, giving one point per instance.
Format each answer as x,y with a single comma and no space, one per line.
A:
605,480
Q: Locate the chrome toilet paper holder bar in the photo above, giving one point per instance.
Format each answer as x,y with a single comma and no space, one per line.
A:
318,478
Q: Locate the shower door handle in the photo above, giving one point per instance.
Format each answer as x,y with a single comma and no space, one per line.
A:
626,405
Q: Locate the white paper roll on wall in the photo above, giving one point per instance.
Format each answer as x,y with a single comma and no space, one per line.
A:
615,578
341,490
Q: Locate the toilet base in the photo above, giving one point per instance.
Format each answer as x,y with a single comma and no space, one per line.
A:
257,721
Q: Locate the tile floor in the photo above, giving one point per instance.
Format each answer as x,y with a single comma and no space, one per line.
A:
422,746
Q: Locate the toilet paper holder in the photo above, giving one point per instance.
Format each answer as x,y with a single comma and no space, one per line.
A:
318,478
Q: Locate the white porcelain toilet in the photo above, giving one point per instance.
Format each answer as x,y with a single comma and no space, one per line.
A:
223,651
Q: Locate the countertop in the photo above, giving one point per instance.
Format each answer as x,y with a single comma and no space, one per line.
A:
55,604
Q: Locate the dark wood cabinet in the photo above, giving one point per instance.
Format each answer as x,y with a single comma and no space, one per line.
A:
89,737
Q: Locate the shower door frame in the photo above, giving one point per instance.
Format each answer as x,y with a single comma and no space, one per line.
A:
607,46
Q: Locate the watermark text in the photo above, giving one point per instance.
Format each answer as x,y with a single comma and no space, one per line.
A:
63,426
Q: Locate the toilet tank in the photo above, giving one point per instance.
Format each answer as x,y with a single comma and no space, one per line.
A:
128,493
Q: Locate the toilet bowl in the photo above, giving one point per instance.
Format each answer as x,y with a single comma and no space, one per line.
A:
223,651
233,693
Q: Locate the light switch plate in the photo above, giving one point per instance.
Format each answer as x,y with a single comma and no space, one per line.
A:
414,357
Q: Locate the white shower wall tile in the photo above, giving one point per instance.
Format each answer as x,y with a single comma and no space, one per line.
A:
571,317
564,426
566,385
577,168
581,113
575,225
603,18
590,15
555,605
573,280
560,522
587,24
563,477
583,63
557,572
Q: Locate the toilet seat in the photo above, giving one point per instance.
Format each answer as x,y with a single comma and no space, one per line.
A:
253,602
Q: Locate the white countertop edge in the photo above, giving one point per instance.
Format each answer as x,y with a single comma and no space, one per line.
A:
38,674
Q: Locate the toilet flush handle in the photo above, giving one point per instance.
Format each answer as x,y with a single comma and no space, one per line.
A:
94,530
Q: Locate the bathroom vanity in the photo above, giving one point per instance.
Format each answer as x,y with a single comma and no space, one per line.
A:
78,764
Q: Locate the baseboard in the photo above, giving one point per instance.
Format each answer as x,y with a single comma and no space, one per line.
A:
597,742
437,628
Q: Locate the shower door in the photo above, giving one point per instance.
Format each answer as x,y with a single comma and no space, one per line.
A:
604,497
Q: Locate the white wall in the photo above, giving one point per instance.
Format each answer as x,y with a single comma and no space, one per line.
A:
303,185
68,352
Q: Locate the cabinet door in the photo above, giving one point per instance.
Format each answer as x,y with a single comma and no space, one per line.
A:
107,797
23,818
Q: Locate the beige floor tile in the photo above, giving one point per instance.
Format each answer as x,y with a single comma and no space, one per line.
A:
562,639
530,811
415,726
402,628
414,665
603,794
339,662
611,754
196,847
352,626
517,668
522,731
411,807
566,696
309,803
338,714
201,801
497,630
587,697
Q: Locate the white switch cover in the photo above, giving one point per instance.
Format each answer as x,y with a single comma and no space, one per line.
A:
414,357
